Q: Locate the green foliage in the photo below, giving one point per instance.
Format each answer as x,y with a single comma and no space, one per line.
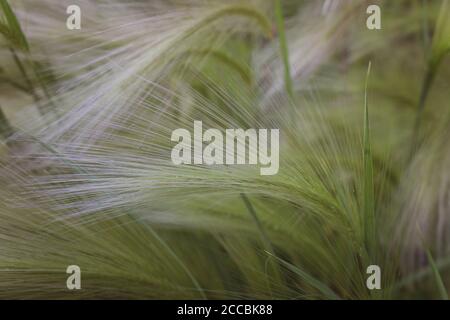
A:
437,277
92,184
12,30
369,201
283,47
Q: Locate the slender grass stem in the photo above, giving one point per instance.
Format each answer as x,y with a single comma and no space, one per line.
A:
424,92
12,31
422,274
12,27
14,84
284,48
27,79
179,261
5,127
369,205
263,234
264,237
437,277
435,270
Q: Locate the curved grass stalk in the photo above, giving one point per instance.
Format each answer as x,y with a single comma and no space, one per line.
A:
244,72
226,60
424,91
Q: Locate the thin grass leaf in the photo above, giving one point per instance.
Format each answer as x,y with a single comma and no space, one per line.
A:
16,33
441,37
264,237
310,280
5,127
146,68
179,261
224,58
368,190
437,276
235,10
263,234
284,48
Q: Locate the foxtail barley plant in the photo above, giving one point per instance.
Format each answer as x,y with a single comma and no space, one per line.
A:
86,117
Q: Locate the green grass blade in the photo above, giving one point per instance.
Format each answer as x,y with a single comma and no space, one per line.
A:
437,276
179,261
310,280
264,237
5,128
422,274
226,59
4,30
441,37
284,48
252,212
16,33
368,202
